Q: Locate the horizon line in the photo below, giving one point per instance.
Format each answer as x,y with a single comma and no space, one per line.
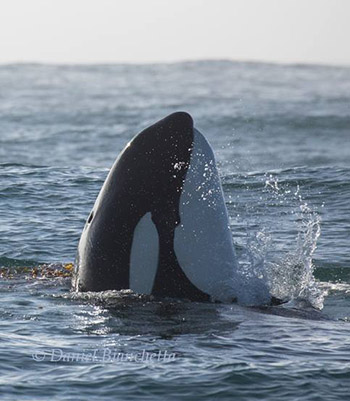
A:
182,61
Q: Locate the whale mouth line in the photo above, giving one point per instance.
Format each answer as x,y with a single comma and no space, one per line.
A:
91,216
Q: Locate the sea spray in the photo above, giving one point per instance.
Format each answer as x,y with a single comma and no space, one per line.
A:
283,269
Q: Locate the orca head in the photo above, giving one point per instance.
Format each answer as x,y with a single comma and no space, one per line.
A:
160,225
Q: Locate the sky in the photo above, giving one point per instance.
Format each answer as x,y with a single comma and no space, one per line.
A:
144,31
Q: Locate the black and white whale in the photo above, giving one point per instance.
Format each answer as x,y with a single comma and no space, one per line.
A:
160,225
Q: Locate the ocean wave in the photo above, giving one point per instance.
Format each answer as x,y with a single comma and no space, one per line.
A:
17,263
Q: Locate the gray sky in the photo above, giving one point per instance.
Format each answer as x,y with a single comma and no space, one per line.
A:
75,31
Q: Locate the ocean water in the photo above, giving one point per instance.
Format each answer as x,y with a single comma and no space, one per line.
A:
281,135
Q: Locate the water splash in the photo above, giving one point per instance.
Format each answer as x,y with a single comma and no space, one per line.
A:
254,288
291,277
271,261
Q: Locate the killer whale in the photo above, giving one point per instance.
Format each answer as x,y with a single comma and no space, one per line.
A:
159,224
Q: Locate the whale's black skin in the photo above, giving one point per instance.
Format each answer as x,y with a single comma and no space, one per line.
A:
146,178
